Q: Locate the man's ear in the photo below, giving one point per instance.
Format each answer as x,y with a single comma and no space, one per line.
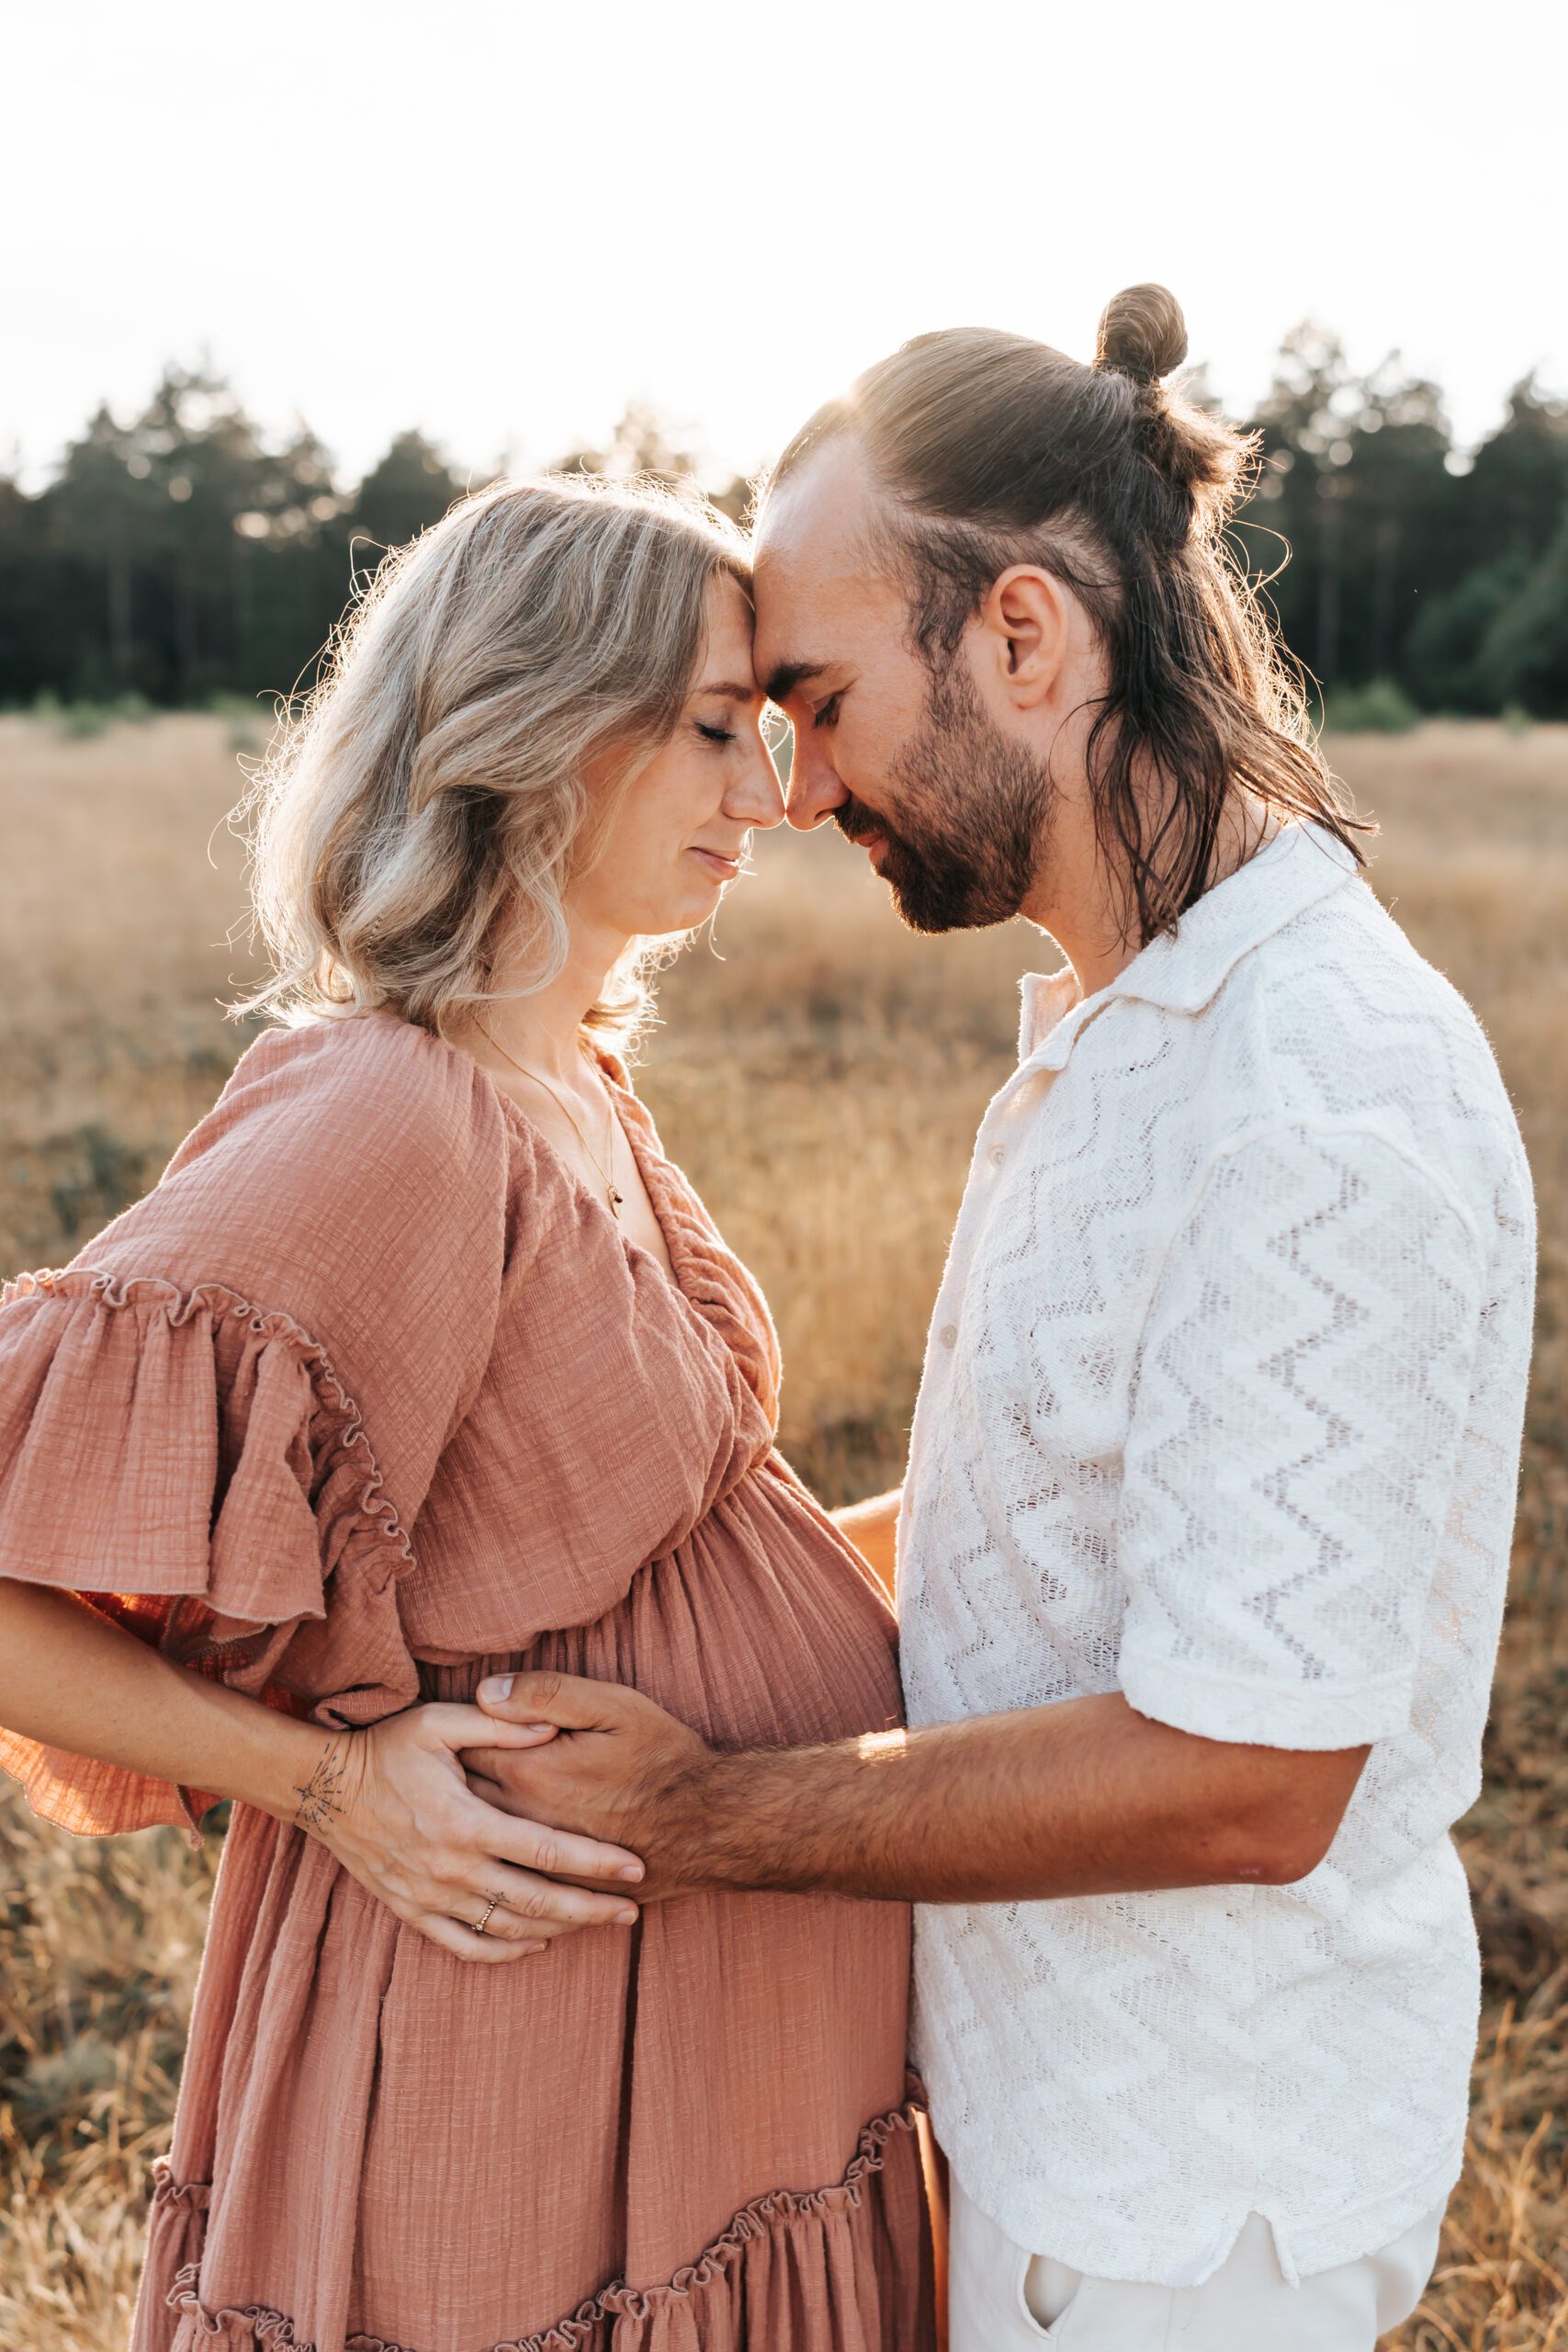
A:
1027,623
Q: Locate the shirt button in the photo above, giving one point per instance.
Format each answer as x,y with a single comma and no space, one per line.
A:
948,1336
996,1155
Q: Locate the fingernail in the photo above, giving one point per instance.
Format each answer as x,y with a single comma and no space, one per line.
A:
496,1686
627,1918
530,1946
632,1869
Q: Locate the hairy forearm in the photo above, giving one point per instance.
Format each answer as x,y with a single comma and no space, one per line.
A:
71,1679
1082,1798
873,1528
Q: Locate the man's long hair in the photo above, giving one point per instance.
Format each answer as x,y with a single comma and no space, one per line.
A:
994,450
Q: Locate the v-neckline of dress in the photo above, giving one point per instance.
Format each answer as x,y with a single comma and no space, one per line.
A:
636,1252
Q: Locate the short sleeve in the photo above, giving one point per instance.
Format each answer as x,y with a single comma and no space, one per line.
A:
1302,1390
219,1424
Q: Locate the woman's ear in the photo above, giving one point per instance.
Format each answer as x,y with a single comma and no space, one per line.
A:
1027,620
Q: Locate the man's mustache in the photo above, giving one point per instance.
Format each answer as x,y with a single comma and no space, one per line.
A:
853,817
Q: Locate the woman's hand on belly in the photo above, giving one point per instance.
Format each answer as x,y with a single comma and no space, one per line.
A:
393,1805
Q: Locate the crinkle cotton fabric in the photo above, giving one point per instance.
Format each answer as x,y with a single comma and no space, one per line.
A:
367,1399
1222,1410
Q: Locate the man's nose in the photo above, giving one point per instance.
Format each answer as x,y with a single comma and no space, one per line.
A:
814,786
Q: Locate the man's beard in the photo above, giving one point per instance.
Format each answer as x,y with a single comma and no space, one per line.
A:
973,809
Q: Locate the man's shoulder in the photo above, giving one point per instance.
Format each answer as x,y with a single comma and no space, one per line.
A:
1334,1028
1348,1024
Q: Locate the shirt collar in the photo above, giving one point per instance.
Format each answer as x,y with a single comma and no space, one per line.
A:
1183,969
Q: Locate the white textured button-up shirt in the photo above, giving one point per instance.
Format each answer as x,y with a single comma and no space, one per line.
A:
1221,1409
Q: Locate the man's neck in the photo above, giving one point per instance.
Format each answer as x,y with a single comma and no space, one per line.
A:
1087,902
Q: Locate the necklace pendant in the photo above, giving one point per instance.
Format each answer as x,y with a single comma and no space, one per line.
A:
614,1202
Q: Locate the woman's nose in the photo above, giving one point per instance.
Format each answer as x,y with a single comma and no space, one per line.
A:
756,798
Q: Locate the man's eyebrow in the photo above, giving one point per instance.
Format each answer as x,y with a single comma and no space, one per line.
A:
790,674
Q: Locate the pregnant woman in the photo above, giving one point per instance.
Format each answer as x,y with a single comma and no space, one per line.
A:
421,1362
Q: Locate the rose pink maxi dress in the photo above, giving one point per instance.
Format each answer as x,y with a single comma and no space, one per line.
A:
368,1398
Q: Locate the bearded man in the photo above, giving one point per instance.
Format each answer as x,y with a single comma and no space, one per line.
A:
1204,1540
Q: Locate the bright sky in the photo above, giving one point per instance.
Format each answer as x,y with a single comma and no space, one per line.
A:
500,221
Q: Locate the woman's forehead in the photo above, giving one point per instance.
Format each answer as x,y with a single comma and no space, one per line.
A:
727,656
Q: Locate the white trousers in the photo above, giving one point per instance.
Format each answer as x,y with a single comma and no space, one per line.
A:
1001,2297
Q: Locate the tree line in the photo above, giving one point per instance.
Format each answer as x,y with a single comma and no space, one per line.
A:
185,555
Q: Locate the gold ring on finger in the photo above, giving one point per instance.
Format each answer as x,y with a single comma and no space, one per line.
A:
481,1925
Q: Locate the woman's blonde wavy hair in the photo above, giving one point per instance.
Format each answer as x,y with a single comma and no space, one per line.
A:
421,814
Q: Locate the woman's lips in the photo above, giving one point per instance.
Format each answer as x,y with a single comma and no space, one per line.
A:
727,869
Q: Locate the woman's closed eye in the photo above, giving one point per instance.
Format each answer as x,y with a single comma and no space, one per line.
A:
715,734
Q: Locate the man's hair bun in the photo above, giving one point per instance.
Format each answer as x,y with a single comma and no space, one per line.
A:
1142,334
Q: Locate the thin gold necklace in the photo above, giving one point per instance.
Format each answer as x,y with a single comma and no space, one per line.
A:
605,1177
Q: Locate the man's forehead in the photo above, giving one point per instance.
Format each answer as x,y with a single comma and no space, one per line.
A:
812,565
822,519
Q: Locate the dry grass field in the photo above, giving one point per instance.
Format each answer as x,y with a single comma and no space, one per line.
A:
820,1073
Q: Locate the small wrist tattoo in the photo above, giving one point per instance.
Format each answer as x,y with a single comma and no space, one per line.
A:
322,1797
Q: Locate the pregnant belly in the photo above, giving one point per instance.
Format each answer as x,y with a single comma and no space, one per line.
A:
733,2045
764,1628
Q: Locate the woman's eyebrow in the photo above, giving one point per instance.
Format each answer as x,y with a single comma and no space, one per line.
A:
728,693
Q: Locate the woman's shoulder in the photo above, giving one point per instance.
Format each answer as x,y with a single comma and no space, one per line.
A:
369,1099
343,1161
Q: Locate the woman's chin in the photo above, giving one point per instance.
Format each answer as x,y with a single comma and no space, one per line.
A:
693,897
689,909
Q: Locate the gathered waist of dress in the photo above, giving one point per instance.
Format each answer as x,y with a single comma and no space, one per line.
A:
764,1626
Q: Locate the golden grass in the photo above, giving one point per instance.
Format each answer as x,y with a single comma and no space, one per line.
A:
822,1083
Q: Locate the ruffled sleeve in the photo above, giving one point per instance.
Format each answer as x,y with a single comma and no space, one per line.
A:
219,1423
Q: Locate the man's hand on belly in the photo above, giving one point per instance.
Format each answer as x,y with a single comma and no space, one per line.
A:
1084,1797
618,1757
